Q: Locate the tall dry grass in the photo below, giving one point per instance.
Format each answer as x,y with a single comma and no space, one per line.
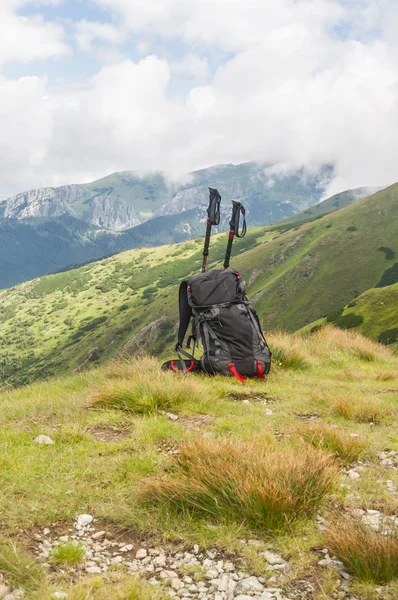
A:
371,556
324,437
262,486
289,351
329,340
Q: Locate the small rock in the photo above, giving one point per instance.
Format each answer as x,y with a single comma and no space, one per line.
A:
44,440
4,589
98,535
353,474
116,560
354,435
59,595
84,520
46,531
268,412
250,584
272,558
141,553
172,417
93,570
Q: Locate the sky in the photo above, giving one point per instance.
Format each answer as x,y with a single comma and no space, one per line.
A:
89,87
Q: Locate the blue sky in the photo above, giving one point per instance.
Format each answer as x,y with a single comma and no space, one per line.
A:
91,87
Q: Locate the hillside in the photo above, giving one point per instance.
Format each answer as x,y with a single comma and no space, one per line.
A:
129,210
333,203
295,274
147,484
374,314
34,247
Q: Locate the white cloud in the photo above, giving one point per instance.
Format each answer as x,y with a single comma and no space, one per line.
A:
292,93
89,31
26,39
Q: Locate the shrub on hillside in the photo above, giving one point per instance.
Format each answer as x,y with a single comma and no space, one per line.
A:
349,321
390,336
389,253
352,228
389,277
335,314
262,486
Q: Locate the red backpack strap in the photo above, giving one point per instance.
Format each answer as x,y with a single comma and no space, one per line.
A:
177,370
236,373
260,372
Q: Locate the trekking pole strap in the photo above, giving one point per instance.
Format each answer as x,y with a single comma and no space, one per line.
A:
237,211
213,218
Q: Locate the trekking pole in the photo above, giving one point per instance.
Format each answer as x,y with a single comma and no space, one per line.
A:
237,210
213,218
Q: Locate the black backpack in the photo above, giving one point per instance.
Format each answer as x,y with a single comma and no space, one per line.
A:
222,319
226,324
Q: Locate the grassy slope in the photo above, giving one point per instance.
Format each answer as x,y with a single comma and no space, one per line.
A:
378,307
333,203
295,273
48,485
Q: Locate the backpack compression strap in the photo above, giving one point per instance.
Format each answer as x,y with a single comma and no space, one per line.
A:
185,318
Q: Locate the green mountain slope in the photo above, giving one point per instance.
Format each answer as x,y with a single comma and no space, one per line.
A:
295,275
334,203
374,314
35,247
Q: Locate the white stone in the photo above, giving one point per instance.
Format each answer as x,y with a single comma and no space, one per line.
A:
84,520
59,595
44,440
268,412
250,584
172,417
272,558
116,560
353,474
46,531
141,553
4,589
98,535
93,570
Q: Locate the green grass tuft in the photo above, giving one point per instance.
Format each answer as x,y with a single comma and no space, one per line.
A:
69,553
20,569
371,556
263,486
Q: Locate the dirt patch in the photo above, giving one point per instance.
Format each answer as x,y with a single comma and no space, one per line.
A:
307,416
195,422
253,397
108,434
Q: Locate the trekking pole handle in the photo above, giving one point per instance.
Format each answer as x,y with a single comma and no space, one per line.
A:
237,210
213,218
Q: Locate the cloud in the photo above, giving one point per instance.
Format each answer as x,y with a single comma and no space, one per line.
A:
27,39
288,89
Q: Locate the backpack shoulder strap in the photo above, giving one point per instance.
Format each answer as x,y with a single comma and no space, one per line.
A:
185,312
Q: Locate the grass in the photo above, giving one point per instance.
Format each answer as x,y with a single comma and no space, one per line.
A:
19,569
322,436
362,410
368,555
143,389
263,486
68,553
255,437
